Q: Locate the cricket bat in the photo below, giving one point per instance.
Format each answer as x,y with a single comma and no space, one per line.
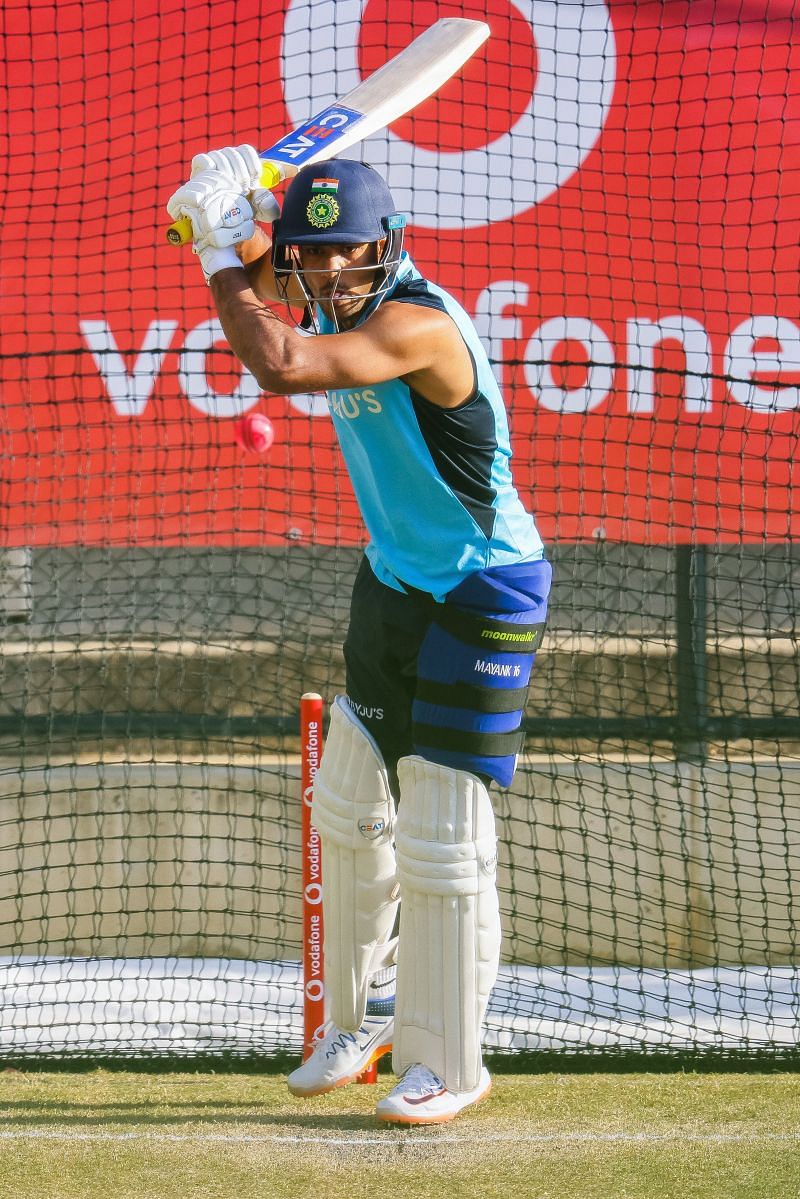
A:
389,93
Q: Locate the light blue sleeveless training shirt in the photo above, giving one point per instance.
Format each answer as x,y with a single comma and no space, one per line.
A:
433,484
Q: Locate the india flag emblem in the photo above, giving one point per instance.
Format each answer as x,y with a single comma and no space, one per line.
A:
325,185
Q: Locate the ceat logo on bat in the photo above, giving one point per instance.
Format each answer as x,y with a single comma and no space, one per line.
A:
324,130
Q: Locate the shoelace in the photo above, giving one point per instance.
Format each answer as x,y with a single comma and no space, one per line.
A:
334,1040
419,1078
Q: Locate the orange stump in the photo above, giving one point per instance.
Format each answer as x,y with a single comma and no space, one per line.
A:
311,741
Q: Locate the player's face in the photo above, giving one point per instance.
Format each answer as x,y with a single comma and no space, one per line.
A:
340,278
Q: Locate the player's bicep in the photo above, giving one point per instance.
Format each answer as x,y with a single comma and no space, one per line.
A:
355,360
393,343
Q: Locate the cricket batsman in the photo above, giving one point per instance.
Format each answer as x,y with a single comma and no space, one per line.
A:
447,611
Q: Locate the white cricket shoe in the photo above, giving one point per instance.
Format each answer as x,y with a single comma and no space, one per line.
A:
421,1097
339,1057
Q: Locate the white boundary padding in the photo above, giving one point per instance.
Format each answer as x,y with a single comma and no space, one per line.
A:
449,920
353,812
173,1006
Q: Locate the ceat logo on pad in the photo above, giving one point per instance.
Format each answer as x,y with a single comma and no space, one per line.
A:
371,829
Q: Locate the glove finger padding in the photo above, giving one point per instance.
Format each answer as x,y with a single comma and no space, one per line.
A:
220,214
224,220
265,207
241,165
193,193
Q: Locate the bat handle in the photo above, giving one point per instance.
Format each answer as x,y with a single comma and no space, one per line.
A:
180,232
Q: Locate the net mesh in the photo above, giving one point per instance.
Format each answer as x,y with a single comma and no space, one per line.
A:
611,191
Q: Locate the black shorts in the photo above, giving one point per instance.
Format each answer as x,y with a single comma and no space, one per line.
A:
448,680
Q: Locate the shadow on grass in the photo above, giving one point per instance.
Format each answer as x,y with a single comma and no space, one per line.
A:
51,1114
778,1060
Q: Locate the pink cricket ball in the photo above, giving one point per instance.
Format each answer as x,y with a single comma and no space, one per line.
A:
254,432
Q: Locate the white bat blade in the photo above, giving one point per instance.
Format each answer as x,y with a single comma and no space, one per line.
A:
390,92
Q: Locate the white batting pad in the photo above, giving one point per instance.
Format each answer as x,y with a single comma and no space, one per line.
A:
449,920
353,812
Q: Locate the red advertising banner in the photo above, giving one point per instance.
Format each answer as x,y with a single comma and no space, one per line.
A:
612,189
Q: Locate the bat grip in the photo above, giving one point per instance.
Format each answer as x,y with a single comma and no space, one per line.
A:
179,232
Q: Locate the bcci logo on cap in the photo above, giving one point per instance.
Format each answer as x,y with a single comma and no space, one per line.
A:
322,211
323,208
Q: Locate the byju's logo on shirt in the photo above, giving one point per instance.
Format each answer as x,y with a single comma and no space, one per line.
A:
351,404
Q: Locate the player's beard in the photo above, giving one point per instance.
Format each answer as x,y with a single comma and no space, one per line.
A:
345,311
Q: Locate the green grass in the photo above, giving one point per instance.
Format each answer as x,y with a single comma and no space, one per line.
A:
121,1135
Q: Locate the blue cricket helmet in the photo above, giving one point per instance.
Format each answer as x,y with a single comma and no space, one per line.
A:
340,202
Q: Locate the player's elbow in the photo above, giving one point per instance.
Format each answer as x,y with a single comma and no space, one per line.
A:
283,373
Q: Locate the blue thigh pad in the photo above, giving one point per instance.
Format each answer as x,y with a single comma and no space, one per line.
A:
473,670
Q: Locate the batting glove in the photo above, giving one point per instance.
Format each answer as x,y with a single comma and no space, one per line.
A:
221,218
243,167
241,164
265,207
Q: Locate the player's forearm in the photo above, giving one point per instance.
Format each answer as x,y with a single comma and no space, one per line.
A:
260,277
255,248
255,257
269,349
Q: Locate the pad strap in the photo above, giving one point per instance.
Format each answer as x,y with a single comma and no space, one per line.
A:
465,740
466,695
